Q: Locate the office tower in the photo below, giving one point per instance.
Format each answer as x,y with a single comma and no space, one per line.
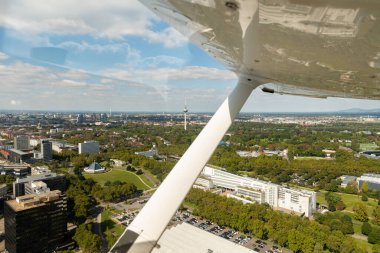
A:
46,150
21,142
80,119
52,181
35,223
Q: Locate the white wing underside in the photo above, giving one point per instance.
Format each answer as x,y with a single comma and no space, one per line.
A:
317,48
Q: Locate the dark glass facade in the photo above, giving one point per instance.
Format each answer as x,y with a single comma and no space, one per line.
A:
35,229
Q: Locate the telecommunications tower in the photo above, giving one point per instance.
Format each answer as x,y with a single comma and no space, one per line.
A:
185,112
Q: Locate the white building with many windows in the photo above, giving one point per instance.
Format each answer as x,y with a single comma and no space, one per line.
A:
250,190
88,147
373,181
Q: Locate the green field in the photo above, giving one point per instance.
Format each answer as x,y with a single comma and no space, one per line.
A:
120,174
349,200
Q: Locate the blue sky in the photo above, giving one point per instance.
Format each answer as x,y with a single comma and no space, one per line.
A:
117,55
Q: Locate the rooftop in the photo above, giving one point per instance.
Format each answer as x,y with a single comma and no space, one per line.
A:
33,200
94,166
18,151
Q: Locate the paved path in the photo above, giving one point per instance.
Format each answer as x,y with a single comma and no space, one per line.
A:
151,179
360,237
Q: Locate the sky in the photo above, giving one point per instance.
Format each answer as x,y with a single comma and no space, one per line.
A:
117,54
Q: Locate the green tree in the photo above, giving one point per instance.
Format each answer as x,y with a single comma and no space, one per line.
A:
366,228
365,187
376,215
374,236
364,198
376,248
348,245
87,241
360,212
318,248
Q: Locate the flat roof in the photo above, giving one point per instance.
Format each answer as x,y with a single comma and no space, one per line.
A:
186,238
18,151
32,200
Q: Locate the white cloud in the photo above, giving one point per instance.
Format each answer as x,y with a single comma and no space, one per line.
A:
112,19
3,56
15,102
73,74
189,72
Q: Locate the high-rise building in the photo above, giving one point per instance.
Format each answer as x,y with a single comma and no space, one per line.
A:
35,223
21,142
80,119
52,181
88,147
46,150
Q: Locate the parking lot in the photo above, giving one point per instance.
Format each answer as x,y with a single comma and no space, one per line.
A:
125,217
227,233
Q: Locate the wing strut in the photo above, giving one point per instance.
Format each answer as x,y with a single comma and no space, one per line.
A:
142,234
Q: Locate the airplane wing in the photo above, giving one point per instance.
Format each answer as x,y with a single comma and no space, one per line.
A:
316,48
313,46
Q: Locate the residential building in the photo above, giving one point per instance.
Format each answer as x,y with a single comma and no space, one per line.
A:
88,147
21,142
35,223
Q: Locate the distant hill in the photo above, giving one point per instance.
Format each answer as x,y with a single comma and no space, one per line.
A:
359,110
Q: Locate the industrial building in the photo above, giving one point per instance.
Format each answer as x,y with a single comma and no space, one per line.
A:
251,190
35,223
88,147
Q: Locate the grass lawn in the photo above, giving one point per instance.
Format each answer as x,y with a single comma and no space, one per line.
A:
364,245
146,180
349,200
112,231
119,174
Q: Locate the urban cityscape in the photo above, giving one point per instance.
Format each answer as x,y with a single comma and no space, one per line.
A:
190,126
74,181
